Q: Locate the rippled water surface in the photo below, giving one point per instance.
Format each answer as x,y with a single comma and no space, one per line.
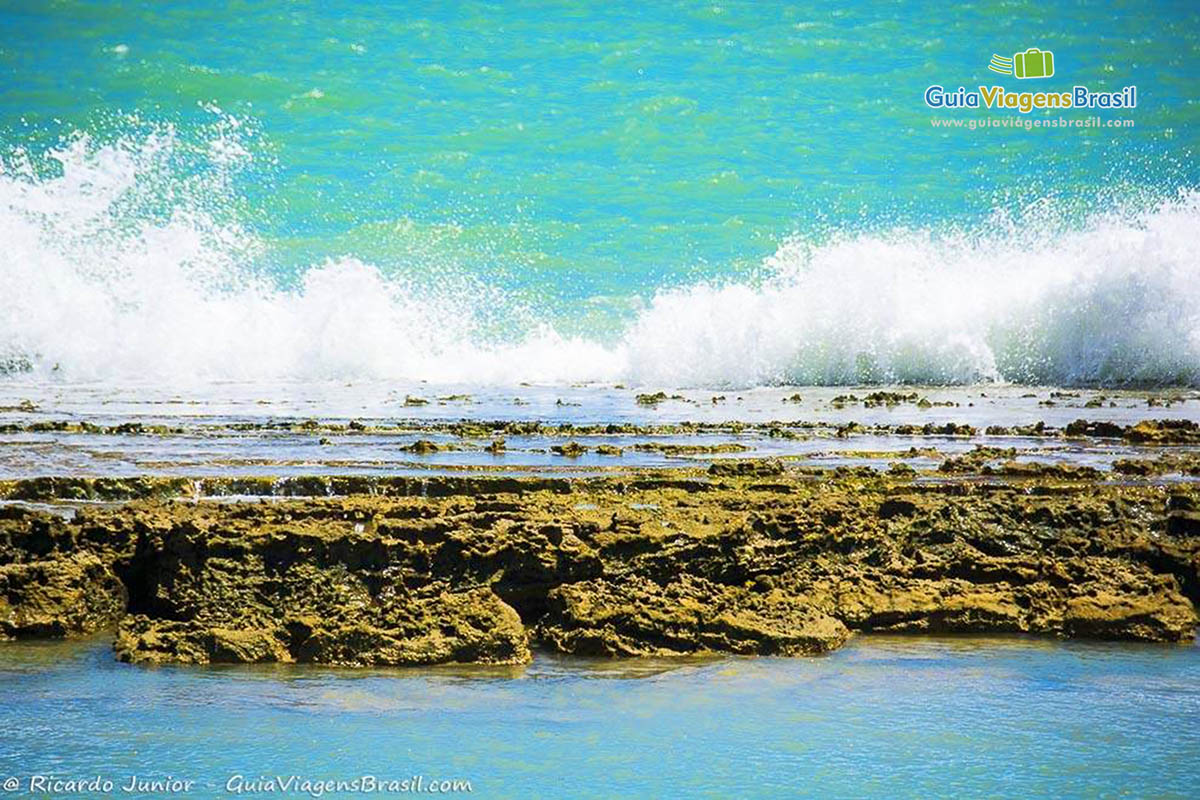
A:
886,717
256,429
229,220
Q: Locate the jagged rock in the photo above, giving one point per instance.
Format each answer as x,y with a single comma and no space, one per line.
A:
1163,431
1083,427
1161,617
747,467
421,447
466,627
74,595
146,641
318,590
465,568
637,617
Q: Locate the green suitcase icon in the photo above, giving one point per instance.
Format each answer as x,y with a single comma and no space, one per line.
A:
1033,63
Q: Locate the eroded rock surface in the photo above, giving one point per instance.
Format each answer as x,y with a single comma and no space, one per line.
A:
58,579
744,560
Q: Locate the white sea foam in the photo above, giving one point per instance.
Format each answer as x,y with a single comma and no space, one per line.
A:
100,280
1116,301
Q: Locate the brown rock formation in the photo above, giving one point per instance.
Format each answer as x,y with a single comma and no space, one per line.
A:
753,560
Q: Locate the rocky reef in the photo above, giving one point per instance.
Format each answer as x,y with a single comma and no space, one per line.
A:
750,557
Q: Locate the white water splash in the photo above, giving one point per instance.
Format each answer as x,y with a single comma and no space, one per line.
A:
101,279
1116,303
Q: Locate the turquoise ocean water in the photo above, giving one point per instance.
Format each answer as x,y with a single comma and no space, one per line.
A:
254,210
676,194
885,717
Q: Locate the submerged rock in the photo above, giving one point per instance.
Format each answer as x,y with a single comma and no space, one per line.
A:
421,447
676,449
747,467
656,398
650,399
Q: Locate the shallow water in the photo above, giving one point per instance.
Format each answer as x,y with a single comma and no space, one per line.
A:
216,218
886,717
250,429
27,399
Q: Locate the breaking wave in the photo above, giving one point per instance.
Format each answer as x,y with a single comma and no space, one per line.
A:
114,269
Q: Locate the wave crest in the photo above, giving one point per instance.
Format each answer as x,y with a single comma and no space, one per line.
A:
116,269
1114,302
